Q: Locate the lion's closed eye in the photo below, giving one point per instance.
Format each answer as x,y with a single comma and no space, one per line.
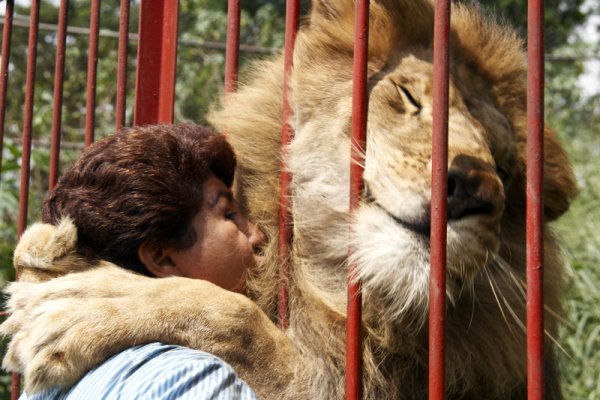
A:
413,106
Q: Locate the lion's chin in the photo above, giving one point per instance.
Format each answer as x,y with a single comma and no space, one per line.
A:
393,259
473,243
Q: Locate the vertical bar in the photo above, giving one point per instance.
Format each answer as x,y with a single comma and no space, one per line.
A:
439,194
34,18
15,386
168,61
535,201
122,63
292,13
233,45
6,39
157,59
358,149
59,70
92,67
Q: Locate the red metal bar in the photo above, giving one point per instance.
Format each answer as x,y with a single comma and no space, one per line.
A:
232,46
122,63
34,16
358,148
34,19
157,57
15,386
292,14
439,194
535,201
6,38
90,101
59,70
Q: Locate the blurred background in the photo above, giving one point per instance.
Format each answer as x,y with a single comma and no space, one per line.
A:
572,97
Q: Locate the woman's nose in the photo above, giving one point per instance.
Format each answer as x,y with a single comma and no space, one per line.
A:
256,237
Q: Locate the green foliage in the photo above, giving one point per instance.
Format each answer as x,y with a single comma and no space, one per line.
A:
9,203
579,128
200,72
561,17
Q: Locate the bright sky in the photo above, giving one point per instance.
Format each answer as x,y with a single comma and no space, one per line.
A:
590,81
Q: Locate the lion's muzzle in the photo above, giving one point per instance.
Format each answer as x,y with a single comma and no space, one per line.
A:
474,188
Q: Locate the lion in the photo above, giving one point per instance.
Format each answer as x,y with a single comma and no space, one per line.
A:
69,325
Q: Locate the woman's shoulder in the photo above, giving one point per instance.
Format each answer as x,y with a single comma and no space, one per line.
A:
157,371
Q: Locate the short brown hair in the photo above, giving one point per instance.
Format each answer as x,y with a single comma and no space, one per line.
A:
143,184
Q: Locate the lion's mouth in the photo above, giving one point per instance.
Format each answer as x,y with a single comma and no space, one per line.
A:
421,227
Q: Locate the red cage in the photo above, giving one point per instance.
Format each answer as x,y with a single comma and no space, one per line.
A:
154,97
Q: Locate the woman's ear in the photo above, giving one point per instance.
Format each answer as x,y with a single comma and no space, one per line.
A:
157,260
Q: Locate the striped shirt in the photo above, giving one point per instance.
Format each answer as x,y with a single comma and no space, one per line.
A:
156,371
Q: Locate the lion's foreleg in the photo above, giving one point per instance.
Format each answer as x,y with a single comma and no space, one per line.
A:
65,327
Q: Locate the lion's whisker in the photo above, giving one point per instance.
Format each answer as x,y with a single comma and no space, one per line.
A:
521,285
557,344
559,317
487,274
510,277
472,307
514,315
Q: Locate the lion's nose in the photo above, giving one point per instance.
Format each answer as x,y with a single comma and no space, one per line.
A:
473,188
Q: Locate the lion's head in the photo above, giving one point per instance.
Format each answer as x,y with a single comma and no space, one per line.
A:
486,161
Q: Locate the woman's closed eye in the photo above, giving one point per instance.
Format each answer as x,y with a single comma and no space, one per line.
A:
231,214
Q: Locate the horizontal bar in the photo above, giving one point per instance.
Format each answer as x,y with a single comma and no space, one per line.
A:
21,22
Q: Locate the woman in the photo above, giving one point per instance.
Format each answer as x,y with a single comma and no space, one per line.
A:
157,200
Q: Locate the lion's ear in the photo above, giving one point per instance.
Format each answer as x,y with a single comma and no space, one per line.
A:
559,180
392,24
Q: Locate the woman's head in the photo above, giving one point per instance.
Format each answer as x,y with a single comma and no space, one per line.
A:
143,185
224,249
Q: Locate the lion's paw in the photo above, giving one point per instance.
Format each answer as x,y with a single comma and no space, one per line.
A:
42,249
51,368
43,336
42,243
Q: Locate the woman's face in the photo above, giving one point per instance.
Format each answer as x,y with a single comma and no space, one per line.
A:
225,244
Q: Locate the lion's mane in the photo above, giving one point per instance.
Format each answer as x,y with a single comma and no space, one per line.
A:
485,316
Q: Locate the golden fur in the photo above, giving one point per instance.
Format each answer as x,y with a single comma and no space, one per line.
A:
105,306
486,251
46,251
